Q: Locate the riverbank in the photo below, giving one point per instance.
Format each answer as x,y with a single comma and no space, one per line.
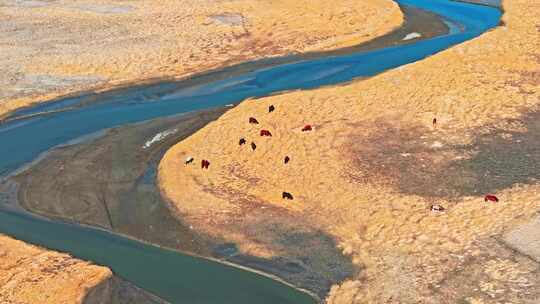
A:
64,47
375,163
33,275
120,195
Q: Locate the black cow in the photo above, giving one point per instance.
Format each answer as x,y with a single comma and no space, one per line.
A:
242,141
271,109
253,146
287,195
287,159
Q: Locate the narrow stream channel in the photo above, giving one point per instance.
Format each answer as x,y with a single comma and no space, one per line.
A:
176,277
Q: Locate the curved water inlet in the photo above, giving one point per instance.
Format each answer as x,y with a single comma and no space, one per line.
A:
169,274
118,110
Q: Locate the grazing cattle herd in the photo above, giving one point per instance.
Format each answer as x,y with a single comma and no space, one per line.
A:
263,132
288,196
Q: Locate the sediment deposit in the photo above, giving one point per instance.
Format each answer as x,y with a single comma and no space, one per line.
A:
376,162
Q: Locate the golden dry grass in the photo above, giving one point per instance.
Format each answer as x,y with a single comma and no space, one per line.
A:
474,89
29,274
65,47
55,48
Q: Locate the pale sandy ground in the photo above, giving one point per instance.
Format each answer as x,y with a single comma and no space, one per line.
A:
29,274
51,48
355,178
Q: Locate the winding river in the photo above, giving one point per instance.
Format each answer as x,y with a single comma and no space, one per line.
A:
173,276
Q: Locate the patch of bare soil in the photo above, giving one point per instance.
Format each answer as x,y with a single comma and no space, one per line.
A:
491,272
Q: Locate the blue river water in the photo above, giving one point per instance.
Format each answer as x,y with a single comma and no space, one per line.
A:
173,276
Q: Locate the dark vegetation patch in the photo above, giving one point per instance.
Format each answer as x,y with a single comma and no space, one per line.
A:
418,161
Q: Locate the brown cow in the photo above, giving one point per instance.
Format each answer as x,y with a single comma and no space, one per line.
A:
266,133
434,121
287,159
491,198
307,128
253,146
242,141
252,120
205,164
287,195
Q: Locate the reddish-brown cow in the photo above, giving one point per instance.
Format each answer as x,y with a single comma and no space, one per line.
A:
307,128
491,198
265,133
